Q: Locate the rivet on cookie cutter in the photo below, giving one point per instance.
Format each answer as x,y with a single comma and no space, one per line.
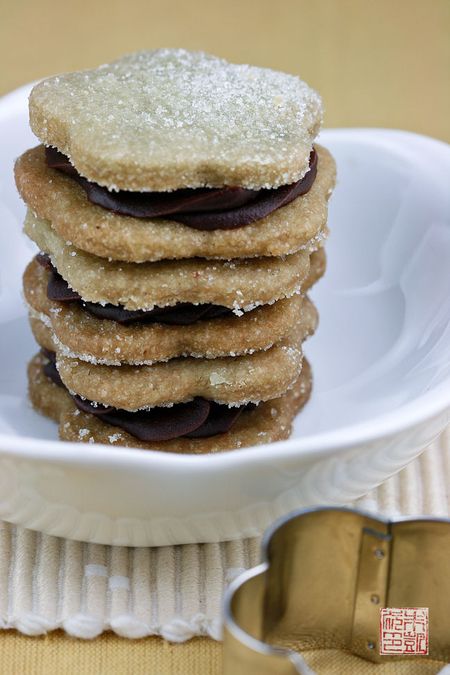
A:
324,577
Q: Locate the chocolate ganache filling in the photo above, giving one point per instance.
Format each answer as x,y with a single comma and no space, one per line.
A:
181,314
198,418
224,208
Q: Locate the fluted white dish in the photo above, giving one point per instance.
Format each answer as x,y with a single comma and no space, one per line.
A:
381,361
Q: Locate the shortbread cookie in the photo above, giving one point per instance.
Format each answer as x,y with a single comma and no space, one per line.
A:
45,396
231,380
238,284
58,199
141,347
42,332
223,208
268,422
80,334
169,119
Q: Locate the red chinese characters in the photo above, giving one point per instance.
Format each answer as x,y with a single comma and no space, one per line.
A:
403,630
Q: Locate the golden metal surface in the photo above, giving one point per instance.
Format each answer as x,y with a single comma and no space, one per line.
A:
326,574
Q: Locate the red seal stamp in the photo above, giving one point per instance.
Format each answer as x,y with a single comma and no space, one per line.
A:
403,630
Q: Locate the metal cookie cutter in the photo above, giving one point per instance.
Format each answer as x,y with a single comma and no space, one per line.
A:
326,574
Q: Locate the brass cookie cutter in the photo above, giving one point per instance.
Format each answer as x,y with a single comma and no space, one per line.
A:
326,573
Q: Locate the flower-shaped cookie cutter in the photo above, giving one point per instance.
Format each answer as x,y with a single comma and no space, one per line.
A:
326,573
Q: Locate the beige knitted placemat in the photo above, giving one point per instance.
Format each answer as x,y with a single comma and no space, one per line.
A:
173,591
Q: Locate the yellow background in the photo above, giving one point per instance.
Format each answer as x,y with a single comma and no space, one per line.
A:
375,62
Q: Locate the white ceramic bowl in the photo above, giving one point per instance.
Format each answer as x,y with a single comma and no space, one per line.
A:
381,361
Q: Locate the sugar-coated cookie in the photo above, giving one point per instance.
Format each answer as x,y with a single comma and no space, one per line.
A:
57,198
78,333
230,380
170,118
238,284
99,349
270,421
45,396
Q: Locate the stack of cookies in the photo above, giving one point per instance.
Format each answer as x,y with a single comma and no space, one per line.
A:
179,206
